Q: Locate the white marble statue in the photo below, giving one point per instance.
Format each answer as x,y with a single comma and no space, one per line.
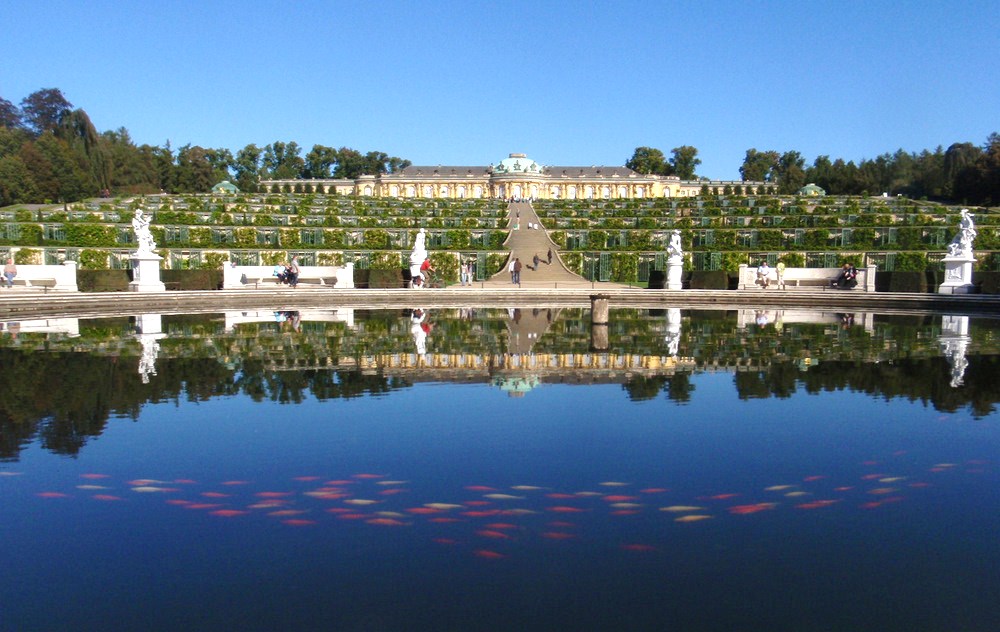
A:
417,257
674,247
961,245
143,236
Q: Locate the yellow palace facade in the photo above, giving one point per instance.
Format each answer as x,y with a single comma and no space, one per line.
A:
514,177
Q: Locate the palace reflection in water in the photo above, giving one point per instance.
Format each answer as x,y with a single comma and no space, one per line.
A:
74,374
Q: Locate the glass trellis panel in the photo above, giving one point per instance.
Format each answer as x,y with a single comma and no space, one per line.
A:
605,269
245,257
846,237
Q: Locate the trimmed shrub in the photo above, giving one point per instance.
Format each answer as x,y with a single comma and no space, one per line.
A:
381,278
193,279
102,280
709,280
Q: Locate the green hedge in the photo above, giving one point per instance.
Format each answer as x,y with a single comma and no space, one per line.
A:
103,280
193,279
709,280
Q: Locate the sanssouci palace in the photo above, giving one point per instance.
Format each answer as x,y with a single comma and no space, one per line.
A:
516,176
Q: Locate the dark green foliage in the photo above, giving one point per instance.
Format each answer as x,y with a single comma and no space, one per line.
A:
192,279
385,278
709,280
102,280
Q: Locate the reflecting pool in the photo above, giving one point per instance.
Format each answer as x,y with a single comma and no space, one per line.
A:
520,469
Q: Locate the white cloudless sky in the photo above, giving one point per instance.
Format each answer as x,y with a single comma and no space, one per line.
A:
568,83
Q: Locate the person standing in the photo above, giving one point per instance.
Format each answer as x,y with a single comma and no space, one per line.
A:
534,262
550,256
779,270
293,272
517,271
9,272
510,268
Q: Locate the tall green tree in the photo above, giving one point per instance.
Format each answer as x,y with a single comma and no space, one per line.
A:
649,161
759,166
246,167
790,172
684,162
320,161
281,161
194,171
10,116
17,185
42,110
80,134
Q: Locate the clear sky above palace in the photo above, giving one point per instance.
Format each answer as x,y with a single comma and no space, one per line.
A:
568,83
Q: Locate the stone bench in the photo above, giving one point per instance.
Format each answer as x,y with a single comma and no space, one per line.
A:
61,277
806,278
239,277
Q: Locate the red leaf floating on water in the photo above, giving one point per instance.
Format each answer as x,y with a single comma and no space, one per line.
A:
638,547
565,509
298,522
445,541
235,483
369,476
810,479
480,488
228,513
272,494
445,520
562,524
305,478
750,509
489,555
618,499
420,511
477,503
501,525
481,514
654,490
95,476
215,495
558,535
105,497
723,496
559,496
497,535
625,512
178,501
51,495
816,504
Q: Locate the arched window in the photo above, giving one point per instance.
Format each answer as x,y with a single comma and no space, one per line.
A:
394,190
411,191
461,192
571,192
477,192
606,192
428,191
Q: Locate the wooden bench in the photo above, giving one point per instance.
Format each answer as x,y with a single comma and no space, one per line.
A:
806,278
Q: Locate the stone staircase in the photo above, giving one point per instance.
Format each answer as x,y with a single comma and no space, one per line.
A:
524,243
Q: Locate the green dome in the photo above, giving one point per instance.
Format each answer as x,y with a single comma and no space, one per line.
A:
516,164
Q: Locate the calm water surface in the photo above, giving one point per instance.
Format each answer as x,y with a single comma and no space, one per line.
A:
793,495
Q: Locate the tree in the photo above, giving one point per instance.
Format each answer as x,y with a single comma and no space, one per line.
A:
42,110
649,161
685,160
194,171
10,116
282,161
320,161
17,186
759,166
350,163
790,172
80,134
222,161
246,167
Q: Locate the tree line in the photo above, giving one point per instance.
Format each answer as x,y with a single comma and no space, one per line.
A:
51,152
964,173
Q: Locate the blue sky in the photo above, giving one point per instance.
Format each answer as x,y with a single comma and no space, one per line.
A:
568,83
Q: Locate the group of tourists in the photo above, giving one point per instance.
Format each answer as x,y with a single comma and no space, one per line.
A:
288,272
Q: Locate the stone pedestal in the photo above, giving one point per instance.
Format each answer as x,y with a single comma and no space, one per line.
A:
675,269
146,273
599,311
957,275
